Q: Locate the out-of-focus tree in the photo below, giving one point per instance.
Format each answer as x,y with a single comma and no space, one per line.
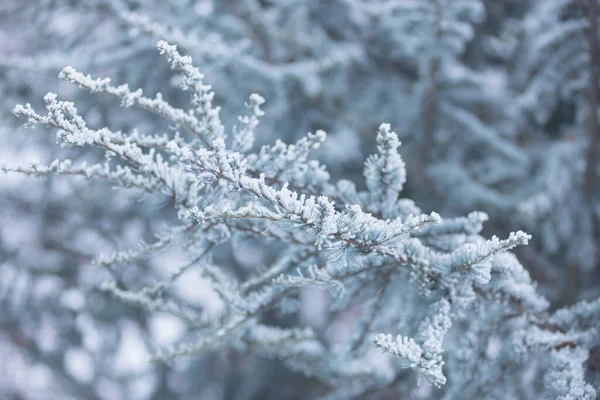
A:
492,102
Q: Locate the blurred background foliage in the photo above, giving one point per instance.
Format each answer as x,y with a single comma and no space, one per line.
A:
493,101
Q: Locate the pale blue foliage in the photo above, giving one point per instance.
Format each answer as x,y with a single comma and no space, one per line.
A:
231,225
565,377
370,248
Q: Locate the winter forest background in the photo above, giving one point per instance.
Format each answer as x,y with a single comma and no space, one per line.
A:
272,239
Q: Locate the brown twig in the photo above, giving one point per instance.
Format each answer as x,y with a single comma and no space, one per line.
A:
592,155
430,114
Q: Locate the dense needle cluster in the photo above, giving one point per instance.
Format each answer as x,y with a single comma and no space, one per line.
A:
432,293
